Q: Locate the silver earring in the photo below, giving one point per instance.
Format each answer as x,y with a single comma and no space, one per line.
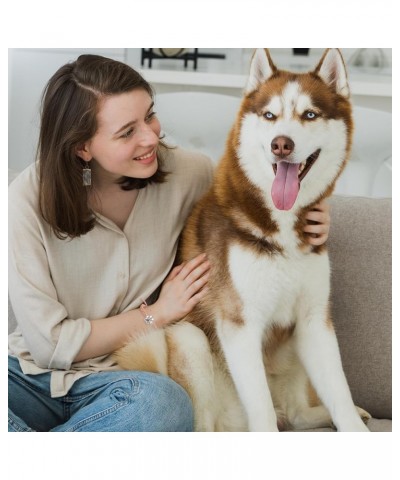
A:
87,175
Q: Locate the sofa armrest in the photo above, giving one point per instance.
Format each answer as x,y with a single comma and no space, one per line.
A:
361,261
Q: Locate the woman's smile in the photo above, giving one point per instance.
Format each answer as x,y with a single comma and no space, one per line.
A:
148,158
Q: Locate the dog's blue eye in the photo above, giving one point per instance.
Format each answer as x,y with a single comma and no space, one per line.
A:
309,115
269,116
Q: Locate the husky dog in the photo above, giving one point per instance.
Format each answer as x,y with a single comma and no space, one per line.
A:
259,352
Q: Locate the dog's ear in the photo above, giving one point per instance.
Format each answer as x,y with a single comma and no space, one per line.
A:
261,68
332,70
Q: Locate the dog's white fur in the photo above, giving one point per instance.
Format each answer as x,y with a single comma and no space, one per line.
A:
241,385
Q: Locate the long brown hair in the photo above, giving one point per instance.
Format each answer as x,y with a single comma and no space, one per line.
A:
70,104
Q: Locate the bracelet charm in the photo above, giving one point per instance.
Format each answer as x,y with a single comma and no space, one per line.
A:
148,319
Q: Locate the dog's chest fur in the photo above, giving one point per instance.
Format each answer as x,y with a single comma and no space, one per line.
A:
273,285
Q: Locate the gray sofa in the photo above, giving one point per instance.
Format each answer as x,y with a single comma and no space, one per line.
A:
360,248
360,253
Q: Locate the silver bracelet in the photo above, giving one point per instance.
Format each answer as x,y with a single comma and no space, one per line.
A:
148,319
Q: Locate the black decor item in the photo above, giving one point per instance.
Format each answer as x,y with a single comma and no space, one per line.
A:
301,51
149,55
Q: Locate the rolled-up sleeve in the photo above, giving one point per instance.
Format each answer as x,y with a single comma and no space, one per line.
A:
66,350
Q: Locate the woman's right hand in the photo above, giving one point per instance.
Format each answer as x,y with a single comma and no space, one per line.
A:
184,287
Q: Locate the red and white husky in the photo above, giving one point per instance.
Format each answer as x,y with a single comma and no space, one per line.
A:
260,350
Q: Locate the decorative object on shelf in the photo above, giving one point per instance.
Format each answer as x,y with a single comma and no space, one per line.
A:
368,58
301,51
184,54
170,52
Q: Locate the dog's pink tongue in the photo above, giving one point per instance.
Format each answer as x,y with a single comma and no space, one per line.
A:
286,185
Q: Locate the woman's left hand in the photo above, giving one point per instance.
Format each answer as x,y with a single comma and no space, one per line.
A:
318,222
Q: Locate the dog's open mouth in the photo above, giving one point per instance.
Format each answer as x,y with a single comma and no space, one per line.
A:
288,176
305,167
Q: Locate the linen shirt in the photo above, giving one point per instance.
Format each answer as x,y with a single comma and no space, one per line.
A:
56,285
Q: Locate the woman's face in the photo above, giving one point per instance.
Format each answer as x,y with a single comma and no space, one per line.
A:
126,140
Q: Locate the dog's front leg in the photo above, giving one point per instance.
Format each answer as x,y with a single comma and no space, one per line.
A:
242,347
319,352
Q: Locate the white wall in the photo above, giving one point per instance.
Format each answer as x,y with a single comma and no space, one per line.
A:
29,71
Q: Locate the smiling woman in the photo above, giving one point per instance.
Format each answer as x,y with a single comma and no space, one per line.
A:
83,263
94,88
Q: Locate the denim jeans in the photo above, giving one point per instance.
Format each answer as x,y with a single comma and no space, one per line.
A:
119,401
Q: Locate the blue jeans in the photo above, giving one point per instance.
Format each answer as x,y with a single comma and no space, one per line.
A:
120,401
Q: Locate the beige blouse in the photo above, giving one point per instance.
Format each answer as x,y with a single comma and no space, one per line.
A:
56,285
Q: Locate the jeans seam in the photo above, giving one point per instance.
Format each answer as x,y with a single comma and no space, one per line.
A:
77,398
98,415
128,396
18,427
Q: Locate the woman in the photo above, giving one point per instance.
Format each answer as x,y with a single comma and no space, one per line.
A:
94,226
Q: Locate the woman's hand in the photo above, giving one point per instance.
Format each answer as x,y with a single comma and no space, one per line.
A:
318,222
184,287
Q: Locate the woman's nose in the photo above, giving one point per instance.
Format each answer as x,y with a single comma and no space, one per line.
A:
148,135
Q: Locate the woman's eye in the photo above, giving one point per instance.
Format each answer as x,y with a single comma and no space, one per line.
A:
150,116
128,133
269,116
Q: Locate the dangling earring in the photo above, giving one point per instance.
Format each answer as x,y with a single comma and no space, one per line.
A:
87,175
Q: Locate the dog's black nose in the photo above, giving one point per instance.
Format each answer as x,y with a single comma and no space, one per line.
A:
282,146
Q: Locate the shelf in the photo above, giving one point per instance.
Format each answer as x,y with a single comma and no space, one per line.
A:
225,74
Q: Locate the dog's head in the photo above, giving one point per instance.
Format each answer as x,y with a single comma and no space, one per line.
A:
295,129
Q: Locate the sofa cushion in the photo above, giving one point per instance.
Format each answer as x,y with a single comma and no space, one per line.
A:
374,425
360,254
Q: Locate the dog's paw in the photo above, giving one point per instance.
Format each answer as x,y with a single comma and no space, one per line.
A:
365,416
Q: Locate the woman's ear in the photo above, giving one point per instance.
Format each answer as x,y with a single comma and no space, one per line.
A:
83,152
